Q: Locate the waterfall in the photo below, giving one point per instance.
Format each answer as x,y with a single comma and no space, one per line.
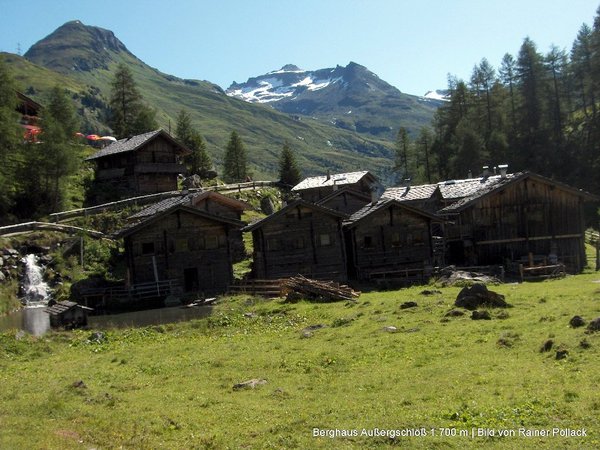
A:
35,289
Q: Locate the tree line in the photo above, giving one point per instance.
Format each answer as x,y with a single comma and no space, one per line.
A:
536,111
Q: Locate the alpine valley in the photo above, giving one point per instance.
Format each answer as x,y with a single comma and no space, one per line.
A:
343,118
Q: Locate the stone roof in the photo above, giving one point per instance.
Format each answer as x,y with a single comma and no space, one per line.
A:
190,200
410,193
338,179
133,143
61,307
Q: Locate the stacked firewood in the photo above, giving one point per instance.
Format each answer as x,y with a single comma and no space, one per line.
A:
300,287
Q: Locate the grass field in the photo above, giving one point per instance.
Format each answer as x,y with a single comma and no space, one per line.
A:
171,386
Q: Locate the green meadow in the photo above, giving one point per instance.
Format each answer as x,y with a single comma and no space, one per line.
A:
171,386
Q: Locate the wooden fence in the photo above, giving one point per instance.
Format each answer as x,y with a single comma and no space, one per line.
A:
34,226
153,198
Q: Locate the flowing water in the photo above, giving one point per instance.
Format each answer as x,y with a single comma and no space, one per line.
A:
36,291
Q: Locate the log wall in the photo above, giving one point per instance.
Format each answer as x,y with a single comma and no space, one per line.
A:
303,241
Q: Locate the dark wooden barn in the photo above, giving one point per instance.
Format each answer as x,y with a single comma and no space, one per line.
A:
390,239
517,218
314,189
211,203
346,200
301,238
142,164
183,245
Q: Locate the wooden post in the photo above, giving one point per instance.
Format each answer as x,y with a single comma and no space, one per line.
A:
81,250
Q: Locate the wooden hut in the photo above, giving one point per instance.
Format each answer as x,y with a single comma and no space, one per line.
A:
314,189
390,239
67,314
183,246
210,202
144,164
516,218
301,238
346,200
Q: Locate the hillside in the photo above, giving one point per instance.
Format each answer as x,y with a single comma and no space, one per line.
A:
84,58
351,98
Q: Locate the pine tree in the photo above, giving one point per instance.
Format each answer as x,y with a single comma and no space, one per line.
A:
10,138
128,114
57,157
198,162
401,153
235,168
289,173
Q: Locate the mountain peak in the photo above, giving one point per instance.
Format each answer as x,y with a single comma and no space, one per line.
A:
290,68
76,46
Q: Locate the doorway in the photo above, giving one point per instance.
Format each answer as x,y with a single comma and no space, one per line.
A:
190,279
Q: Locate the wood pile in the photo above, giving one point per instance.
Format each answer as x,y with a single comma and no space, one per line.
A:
299,287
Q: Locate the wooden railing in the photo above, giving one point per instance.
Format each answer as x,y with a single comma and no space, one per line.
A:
153,198
34,226
134,293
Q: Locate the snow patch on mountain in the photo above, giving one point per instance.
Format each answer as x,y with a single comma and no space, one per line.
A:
288,81
437,95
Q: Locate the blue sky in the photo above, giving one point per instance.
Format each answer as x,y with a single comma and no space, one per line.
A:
411,44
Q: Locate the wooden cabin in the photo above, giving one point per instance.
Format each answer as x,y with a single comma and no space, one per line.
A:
427,197
314,189
346,200
517,218
211,203
390,239
183,245
29,110
301,238
67,314
144,164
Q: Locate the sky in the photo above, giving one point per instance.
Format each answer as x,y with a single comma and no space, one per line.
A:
411,44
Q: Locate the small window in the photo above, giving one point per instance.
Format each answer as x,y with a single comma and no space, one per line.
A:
273,244
367,242
147,248
396,242
324,240
182,245
212,242
298,243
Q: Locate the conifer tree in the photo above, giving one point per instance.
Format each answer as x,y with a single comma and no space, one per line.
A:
10,133
401,153
48,164
128,113
235,166
289,173
198,162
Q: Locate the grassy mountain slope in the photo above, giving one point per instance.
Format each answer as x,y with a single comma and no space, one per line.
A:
85,57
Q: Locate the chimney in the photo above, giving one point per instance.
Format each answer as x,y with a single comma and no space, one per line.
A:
328,175
486,171
375,195
407,181
470,174
503,170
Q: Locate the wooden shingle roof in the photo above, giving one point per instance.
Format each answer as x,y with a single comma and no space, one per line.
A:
133,143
